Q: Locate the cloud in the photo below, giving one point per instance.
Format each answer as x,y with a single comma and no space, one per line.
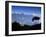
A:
34,14
28,21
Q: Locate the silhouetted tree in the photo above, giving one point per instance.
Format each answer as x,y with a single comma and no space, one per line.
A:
35,18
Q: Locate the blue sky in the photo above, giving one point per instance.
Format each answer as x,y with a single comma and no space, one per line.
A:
26,9
27,19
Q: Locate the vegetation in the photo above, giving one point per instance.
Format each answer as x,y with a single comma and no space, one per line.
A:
17,27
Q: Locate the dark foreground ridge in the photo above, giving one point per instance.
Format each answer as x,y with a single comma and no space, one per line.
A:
16,27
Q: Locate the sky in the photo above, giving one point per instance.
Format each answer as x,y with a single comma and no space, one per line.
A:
28,11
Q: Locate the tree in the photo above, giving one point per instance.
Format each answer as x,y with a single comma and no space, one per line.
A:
35,18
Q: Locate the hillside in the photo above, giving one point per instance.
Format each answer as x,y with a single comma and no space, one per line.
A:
17,27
